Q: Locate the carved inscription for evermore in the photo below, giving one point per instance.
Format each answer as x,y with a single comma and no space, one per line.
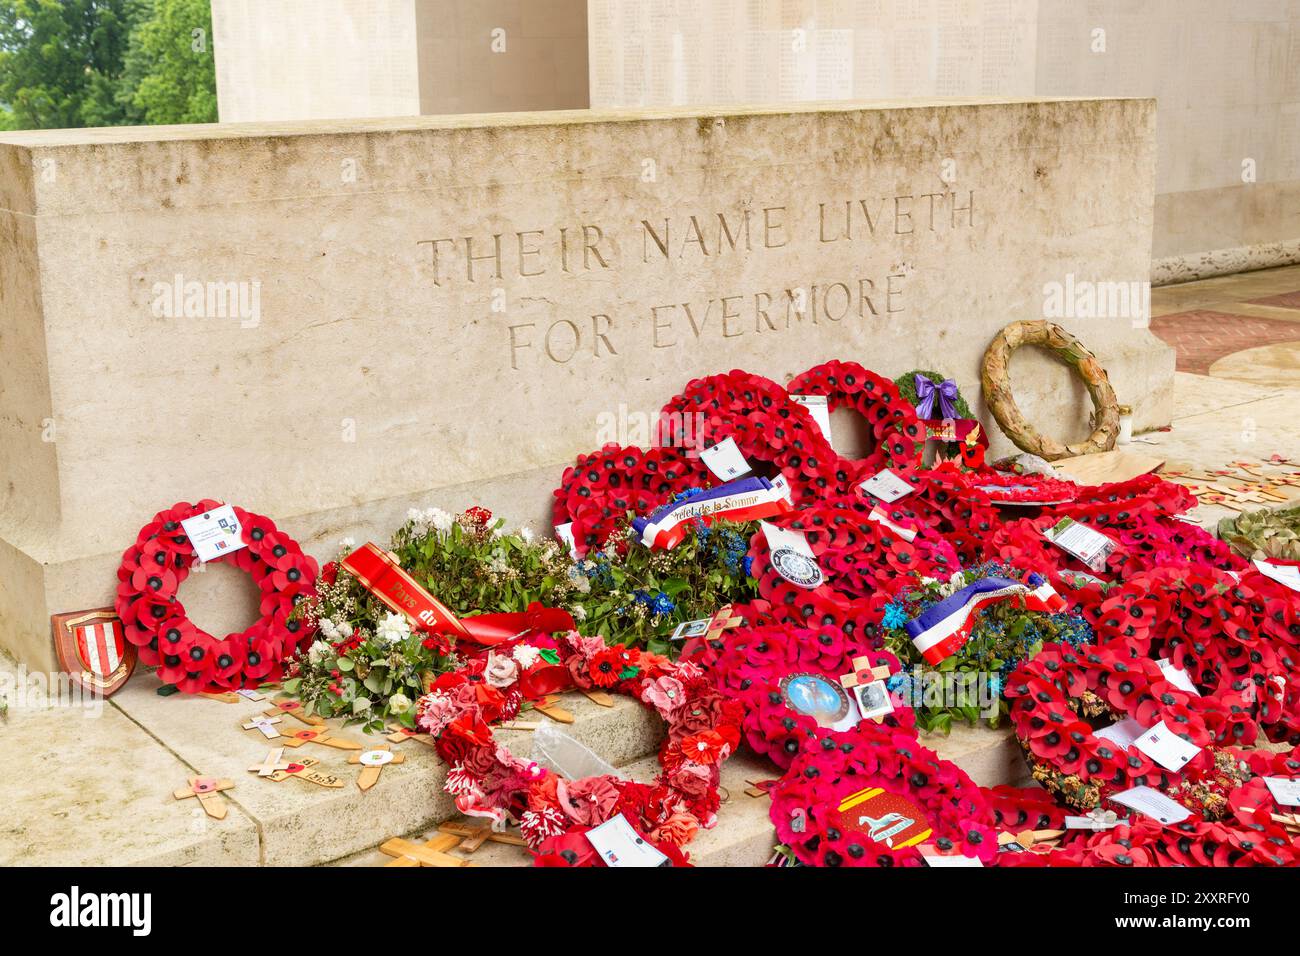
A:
880,226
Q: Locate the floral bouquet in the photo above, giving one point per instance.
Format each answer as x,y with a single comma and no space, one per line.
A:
969,684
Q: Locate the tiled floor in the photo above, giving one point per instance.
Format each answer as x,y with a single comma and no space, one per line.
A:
1209,320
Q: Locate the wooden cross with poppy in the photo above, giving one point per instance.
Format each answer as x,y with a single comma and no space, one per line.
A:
207,790
319,735
372,764
863,674
304,769
271,763
721,620
296,710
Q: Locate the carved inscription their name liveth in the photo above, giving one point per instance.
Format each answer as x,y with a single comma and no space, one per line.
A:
886,225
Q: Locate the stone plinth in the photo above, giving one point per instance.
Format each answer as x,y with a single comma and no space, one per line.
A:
330,323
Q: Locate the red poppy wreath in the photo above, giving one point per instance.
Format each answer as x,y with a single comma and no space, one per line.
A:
553,812
154,620
898,433
788,680
1056,696
871,797
764,422
597,493
1220,630
858,560
963,516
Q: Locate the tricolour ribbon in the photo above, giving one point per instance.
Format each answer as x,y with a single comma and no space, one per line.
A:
745,499
939,631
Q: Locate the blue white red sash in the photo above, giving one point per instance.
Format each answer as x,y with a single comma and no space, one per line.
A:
940,631
745,499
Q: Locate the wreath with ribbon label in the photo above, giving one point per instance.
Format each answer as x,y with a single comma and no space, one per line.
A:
150,576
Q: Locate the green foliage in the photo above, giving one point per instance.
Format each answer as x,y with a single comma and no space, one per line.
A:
61,61
76,63
627,593
907,388
169,71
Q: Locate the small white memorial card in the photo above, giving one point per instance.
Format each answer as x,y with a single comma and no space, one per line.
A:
688,629
782,488
214,533
619,845
933,856
1122,734
886,486
564,533
1282,574
1285,791
725,460
791,556
1154,804
1088,545
1166,748
819,409
1177,676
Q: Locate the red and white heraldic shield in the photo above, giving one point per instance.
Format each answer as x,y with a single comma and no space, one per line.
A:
93,649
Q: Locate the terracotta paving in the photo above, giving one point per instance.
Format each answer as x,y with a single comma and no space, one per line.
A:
1201,337
1287,300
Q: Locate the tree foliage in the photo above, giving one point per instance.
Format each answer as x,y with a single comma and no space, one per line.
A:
70,63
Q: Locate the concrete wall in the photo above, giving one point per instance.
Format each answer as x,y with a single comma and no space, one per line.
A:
446,310
336,59
1226,76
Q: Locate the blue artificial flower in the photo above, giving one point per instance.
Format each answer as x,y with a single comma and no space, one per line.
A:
895,616
662,604
749,566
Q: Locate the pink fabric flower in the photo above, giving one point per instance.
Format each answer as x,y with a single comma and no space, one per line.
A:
502,671
664,694
589,801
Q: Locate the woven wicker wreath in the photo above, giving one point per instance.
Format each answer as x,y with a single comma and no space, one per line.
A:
997,389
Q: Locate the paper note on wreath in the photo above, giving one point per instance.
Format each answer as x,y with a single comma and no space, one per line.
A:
214,534
1088,545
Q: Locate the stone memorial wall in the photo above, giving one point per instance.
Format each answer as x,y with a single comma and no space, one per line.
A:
329,323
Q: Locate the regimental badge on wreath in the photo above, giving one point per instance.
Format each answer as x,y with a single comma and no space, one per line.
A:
93,649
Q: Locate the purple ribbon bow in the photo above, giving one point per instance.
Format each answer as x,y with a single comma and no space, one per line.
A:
926,391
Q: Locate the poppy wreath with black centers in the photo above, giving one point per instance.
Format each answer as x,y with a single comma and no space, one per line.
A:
154,620
1277,609
754,664
1055,696
1147,542
597,492
859,558
1144,842
1214,627
835,766
898,433
766,425
962,516
1116,502
1252,802
860,621
1004,488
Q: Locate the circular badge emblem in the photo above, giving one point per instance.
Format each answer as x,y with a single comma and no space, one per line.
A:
816,696
882,817
796,567
376,758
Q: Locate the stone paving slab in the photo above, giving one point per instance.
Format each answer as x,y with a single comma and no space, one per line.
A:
88,787
303,824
